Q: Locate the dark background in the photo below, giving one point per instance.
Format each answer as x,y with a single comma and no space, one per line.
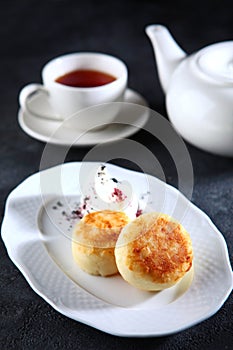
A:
33,32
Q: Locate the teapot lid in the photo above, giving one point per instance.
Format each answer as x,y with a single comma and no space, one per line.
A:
216,61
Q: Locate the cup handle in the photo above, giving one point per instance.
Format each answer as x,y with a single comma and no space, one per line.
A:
27,93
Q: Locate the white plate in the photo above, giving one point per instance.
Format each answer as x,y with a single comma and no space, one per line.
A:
31,231
56,133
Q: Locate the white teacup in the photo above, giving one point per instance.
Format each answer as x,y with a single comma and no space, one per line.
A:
69,102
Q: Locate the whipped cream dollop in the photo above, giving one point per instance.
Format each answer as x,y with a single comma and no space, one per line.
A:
104,191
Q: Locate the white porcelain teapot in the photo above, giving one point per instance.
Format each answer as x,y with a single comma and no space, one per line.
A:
199,90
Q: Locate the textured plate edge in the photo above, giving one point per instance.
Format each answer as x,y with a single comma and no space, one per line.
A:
68,312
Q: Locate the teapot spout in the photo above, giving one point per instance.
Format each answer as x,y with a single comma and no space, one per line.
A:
167,52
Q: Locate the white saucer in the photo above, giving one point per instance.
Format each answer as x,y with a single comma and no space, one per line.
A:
56,133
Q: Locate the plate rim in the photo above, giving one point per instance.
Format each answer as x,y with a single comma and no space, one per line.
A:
65,310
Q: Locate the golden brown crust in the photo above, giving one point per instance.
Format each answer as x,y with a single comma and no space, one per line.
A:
106,219
94,240
100,229
159,253
164,252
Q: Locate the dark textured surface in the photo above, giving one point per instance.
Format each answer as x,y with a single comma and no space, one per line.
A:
32,32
